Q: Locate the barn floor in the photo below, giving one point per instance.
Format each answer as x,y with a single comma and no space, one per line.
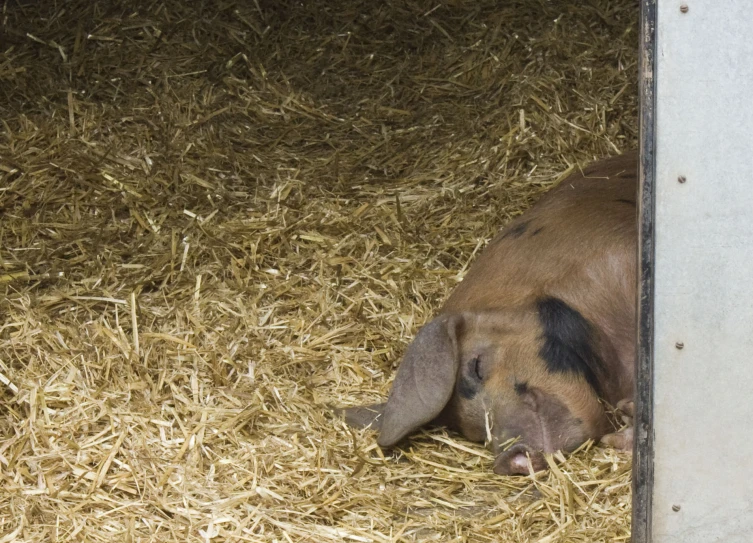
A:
218,218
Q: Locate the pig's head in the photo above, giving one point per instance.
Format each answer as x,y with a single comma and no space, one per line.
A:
532,373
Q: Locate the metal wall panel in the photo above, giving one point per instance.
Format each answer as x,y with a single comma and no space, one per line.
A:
703,273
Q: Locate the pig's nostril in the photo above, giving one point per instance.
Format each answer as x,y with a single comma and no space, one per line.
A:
519,464
515,461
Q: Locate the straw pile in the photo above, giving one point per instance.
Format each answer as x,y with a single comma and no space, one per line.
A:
217,218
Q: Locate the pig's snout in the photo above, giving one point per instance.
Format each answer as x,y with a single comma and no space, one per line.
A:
514,461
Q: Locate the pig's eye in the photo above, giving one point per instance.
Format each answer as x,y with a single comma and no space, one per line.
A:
476,365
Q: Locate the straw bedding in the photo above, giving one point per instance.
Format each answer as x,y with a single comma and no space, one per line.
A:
218,218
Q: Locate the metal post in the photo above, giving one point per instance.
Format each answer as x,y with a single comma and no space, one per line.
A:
693,471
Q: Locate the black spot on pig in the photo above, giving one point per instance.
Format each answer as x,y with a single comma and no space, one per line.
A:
568,341
516,231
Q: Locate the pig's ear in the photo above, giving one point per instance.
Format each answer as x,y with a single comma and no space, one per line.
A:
424,381
362,416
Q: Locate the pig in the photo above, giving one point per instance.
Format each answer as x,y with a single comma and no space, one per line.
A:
538,340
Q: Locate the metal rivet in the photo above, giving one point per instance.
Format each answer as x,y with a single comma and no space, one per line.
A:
682,179
679,345
675,508
684,8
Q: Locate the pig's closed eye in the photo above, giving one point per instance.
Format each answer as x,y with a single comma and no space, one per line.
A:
476,364
471,380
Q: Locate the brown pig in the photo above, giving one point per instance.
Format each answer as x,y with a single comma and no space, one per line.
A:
540,334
